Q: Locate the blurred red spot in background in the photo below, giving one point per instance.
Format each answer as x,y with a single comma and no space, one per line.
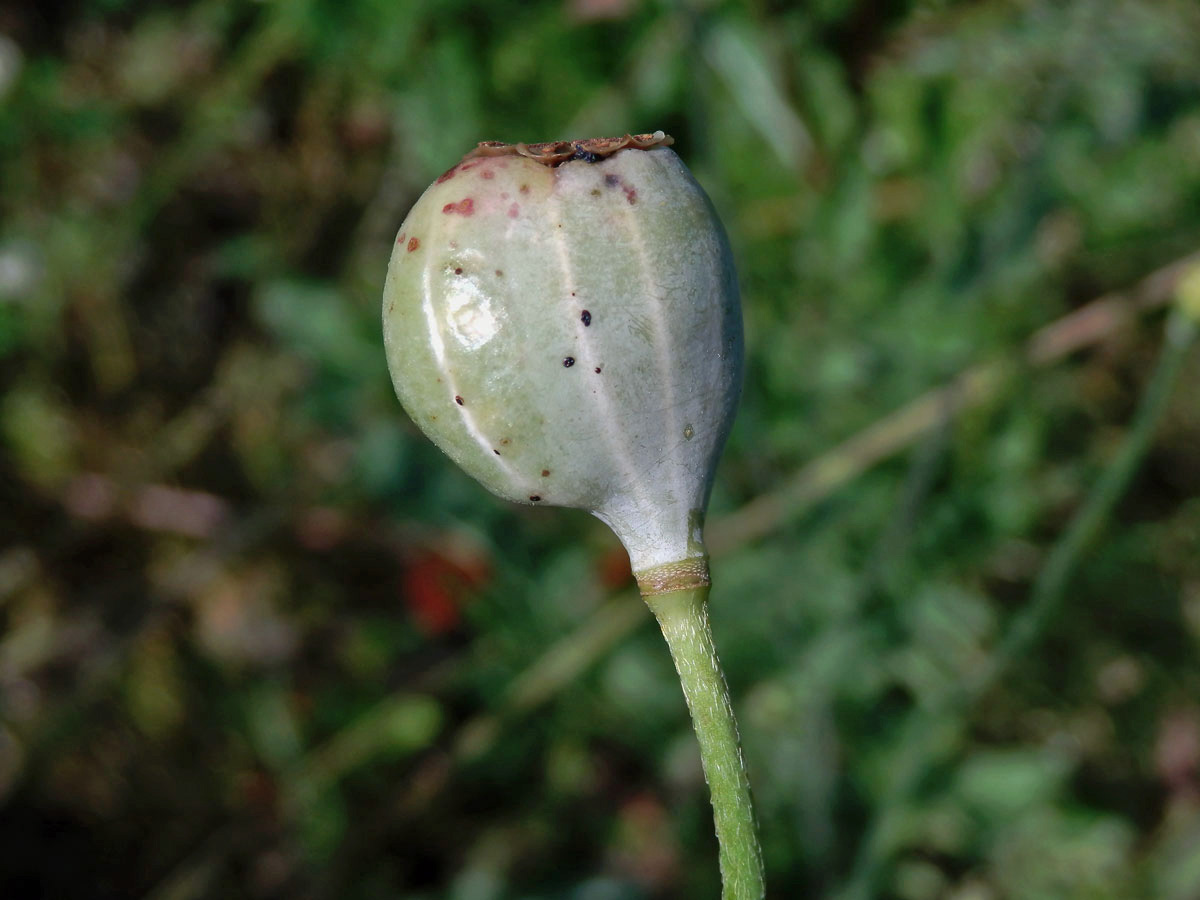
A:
613,570
437,585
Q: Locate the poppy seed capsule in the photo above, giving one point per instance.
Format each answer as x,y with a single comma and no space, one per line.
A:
628,404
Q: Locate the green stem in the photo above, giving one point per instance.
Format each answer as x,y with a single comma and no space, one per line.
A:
683,617
1050,588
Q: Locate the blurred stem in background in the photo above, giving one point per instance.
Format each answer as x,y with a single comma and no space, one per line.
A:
936,732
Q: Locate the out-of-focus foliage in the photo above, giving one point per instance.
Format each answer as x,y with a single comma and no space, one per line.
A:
259,640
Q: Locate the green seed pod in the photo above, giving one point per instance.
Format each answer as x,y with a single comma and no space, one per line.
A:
563,321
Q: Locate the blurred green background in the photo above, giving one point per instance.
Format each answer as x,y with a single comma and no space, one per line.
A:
259,639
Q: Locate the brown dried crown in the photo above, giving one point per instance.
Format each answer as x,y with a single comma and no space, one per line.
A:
553,153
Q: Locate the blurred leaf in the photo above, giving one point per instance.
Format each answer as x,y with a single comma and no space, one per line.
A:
1000,785
737,54
40,434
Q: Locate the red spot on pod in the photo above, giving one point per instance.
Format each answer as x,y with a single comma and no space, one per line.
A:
630,195
534,497
464,207
524,189
400,238
514,211
448,174
458,271
487,173
413,244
